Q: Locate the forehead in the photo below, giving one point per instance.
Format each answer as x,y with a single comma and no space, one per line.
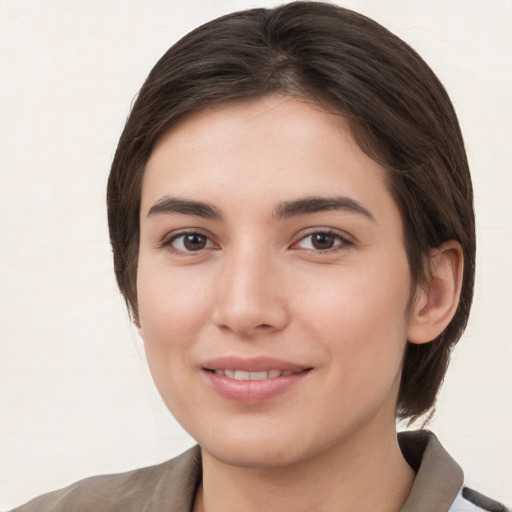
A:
291,122
259,150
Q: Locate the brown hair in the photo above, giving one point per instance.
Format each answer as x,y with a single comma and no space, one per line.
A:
399,113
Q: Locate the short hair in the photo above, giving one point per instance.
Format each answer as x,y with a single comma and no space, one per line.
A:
398,111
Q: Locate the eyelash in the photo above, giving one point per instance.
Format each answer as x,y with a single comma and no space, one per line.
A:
343,242
168,242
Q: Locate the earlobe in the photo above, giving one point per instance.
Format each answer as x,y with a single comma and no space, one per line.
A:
436,303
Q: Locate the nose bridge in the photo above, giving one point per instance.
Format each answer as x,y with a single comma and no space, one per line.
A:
249,298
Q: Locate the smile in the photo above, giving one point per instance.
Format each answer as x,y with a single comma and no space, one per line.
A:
253,381
245,375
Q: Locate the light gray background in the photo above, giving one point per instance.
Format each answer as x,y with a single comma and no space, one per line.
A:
76,398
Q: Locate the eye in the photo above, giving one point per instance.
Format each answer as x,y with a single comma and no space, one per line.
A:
322,241
189,242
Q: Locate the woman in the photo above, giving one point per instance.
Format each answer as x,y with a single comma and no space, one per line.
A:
291,215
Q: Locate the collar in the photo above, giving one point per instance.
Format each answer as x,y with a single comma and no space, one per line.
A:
438,477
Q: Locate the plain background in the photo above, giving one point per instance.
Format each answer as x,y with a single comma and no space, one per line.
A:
76,397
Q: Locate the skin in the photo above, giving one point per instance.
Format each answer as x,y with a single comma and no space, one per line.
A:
327,290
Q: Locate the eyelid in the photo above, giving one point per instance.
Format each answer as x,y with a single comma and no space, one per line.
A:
346,241
168,240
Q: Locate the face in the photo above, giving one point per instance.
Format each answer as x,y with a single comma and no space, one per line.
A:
273,282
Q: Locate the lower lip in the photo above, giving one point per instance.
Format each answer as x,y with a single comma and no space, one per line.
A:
252,391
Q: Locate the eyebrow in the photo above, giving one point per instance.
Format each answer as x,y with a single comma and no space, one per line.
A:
170,205
320,204
287,209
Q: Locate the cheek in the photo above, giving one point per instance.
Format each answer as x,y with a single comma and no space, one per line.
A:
364,338
172,311
360,315
171,304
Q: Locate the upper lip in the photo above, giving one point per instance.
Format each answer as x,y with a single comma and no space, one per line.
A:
252,364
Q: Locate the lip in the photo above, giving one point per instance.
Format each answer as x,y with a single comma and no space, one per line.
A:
252,391
252,364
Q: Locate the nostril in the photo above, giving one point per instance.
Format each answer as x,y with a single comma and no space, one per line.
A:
249,315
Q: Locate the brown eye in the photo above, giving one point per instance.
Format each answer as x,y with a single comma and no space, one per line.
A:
323,241
190,242
194,242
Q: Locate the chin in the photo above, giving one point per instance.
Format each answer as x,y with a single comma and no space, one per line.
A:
258,452
253,458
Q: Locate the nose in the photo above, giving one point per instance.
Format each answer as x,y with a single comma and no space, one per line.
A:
250,298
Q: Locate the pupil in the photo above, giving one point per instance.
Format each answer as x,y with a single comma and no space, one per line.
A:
194,242
323,241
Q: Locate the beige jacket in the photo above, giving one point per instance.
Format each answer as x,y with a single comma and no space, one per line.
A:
171,486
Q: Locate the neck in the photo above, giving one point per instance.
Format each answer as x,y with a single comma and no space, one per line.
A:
367,472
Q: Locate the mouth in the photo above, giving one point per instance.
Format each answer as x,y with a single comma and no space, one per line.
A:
253,381
246,375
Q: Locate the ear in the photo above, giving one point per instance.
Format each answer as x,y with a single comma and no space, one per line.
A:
436,303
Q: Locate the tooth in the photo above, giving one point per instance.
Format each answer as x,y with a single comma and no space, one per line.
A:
219,372
229,373
241,375
258,375
272,374
286,373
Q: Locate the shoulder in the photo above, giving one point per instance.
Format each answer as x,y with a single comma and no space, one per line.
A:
168,486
